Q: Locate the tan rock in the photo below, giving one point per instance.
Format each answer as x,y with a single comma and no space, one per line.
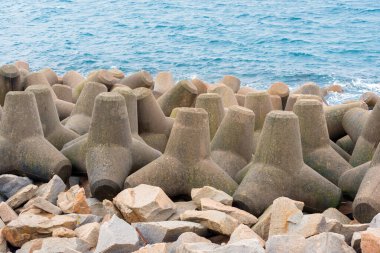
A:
182,207
285,244
326,243
370,242
243,232
347,230
144,203
309,225
187,237
50,190
214,220
333,213
210,192
242,216
28,227
284,213
3,242
23,195
63,232
6,213
153,248
73,201
55,245
42,204
89,233
111,209
263,223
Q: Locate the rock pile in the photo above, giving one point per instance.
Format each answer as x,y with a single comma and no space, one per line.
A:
131,163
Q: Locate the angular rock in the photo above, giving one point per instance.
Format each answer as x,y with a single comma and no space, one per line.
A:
110,209
263,223
327,242
154,248
10,184
167,231
213,220
28,227
3,243
144,203
117,235
6,213
42,204
356,241
375,222
50,190
285,244
243,232
370,240
182,207
309,225
284,213
347,230
83,219
246,246
211,193
63,233
333,213
187,237
55,245
73,201
89,233
23,195
241,215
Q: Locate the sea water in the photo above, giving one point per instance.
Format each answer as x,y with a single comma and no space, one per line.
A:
260,41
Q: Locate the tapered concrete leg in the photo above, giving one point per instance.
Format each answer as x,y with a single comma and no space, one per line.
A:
138,79
163,82
350,181
293,98
354,121
226,93
282,90
232,82
346,144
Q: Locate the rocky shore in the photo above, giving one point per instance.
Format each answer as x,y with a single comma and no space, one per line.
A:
114,163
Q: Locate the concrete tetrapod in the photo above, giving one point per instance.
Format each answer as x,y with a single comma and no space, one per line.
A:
9,81
63,92
280,89
259,102
310,88
232,146
225,92
354,121
293,98
370,98
276,102
316,149
346,144
183,94
138,79
367,202
186,163
102,76
164,81
278,170
368,140
350,180
108,156
54,131
50,75
231,81
154,126
334,117
80,118
212,104
23,148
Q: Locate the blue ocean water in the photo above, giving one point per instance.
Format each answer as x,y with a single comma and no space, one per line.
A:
294,41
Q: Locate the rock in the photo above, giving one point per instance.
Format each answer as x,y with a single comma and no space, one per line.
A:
50,190
6,213
55,245
3,243
213,220
246,246
347,230
263,223
309,225
23,195
356,241
153,248
242,216
89,233
285,244
187,237
284,213
43,204
96,207
83,219
327,242
210,192
182,207
243,232
333,213
167,231
111,209
117,235
73,201
375,222
370,240
28,227
10,184
63,232
144,203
